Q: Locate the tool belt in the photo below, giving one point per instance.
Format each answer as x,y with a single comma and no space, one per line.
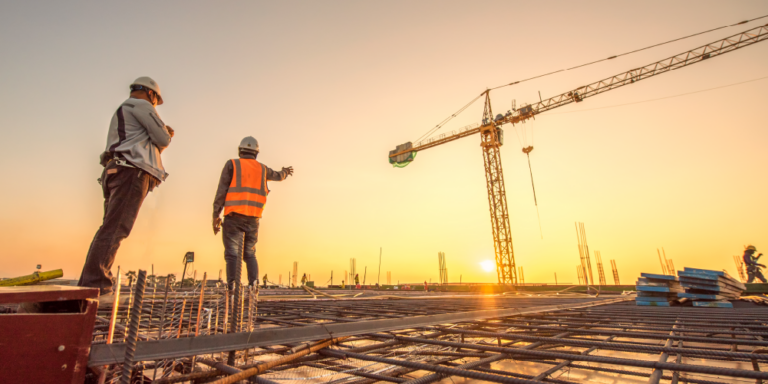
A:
108,156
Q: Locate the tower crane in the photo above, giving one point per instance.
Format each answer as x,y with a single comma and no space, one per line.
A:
491,133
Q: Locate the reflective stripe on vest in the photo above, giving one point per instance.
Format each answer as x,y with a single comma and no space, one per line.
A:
248,191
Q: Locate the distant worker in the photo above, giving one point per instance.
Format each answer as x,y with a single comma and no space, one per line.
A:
342,285
132,168
357,281
304,279
753,268
242,194
264,279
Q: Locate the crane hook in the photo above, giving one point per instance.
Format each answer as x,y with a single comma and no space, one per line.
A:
527,150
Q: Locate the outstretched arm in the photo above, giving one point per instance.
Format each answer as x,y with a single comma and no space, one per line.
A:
279,176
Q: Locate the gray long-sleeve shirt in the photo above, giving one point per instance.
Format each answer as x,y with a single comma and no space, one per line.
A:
226,180
137,134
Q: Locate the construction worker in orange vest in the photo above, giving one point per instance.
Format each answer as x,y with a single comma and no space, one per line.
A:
242,194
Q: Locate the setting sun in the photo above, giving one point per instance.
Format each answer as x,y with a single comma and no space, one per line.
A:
487,265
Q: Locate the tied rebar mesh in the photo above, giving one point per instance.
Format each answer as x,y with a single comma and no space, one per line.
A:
562,344
133,328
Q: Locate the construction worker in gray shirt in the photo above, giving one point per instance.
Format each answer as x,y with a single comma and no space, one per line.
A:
132,168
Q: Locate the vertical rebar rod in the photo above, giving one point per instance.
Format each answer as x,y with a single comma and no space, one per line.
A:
181,317
191,308
168,364
250,308
236,307
152,302
586,252
165,308
129,303
581,254
112,320
241,308
133,328
200,304
162,316
216,321
115,306
225,325
199,309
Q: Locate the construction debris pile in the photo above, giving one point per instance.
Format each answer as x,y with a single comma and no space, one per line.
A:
657,290
709,288
704,288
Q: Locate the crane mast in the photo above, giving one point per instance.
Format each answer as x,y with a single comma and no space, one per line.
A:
491,141
491,135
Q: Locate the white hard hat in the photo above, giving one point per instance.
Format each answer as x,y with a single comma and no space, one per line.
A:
146,81
249,144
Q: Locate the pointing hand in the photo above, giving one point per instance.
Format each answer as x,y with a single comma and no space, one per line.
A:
289,170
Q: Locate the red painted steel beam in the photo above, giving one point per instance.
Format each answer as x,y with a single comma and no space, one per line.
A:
47,347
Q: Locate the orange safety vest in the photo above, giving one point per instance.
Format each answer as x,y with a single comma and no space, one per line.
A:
248,191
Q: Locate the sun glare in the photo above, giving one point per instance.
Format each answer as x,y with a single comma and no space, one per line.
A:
487,265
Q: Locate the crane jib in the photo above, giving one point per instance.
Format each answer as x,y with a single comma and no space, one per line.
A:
693,56
491,137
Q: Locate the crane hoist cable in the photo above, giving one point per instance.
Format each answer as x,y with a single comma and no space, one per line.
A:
527,149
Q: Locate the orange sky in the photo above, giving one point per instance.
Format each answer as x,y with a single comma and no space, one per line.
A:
331,87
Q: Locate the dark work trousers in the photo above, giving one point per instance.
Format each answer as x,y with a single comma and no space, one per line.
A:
753,272
240,234
124,190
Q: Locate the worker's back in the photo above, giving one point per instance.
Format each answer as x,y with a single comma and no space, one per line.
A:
748,260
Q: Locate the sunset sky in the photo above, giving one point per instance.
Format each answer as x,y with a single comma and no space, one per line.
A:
329,87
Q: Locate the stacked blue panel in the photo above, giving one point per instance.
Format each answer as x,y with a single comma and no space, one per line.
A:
657,290
706,288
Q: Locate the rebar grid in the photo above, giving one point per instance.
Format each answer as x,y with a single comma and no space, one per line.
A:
620,341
